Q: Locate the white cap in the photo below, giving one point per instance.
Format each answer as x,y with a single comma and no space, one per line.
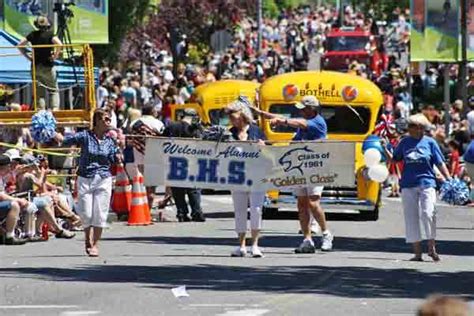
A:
14,154
308,101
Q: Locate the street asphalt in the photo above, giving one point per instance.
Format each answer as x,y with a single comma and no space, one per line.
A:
368,273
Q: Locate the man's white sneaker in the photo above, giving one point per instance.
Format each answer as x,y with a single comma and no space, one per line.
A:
307,246
239,252
327,239
256,252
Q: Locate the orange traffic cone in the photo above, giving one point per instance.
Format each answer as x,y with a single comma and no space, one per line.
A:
139,211
122,198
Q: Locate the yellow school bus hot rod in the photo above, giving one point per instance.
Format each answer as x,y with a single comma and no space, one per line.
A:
209,99
350,105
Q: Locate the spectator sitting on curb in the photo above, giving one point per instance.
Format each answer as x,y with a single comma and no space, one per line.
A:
9,208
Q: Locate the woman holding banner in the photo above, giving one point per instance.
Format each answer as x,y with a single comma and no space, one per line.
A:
243,129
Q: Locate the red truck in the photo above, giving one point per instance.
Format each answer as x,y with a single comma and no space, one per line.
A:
345,45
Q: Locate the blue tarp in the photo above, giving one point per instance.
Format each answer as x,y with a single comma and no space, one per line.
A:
15,68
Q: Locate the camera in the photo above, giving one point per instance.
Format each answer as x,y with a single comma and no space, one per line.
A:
62,8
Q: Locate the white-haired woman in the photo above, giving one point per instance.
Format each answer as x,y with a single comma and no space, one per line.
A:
243,129
420,154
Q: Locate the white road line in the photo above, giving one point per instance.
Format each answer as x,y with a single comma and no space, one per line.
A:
37,306
220,199
246,312
217,305
79,313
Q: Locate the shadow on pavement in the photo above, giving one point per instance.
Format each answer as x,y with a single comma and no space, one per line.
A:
219,215
353,244
355,282
284,215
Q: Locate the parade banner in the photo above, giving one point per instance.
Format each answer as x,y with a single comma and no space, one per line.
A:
1,15
90,23
19,16
248,166
470,29
88,20
436,30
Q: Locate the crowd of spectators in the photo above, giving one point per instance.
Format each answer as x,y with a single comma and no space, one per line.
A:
288,42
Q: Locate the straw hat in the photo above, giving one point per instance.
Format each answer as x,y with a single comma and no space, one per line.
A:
133,115
15,107
419,119
242,104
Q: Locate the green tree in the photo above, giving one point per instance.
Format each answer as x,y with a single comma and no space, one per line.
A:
270,8
197,19
123,16
290,4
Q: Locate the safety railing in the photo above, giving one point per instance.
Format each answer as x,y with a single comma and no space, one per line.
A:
72,83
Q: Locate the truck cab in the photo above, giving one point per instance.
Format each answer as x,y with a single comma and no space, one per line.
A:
345,45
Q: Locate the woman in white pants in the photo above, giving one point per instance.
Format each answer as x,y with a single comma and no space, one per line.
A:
94,183
243,129
420,154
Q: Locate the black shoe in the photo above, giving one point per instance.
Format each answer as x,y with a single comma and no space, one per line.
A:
65,234
13,241
35,239
199,217
183,218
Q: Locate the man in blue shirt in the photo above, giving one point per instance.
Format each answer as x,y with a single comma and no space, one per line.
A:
311,126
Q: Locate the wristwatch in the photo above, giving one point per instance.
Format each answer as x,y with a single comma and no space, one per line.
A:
286,121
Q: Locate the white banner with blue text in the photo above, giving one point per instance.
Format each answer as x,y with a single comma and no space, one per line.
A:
248,166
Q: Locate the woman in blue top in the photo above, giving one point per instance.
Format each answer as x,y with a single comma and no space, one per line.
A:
94,182
243,129
469,159
420,154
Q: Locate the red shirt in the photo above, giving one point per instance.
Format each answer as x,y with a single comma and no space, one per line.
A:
454,165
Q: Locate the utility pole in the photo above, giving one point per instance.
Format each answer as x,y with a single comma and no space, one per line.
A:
174,33
463,65
340,6
447,99
259,25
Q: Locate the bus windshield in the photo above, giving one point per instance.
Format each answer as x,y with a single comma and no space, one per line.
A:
347,43
219,117
339,119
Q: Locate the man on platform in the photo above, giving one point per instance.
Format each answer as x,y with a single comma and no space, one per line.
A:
43,61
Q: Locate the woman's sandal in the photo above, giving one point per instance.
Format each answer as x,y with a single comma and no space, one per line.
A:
88,248
93,252
434,256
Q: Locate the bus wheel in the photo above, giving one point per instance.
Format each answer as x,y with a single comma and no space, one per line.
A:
269,212
369,215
